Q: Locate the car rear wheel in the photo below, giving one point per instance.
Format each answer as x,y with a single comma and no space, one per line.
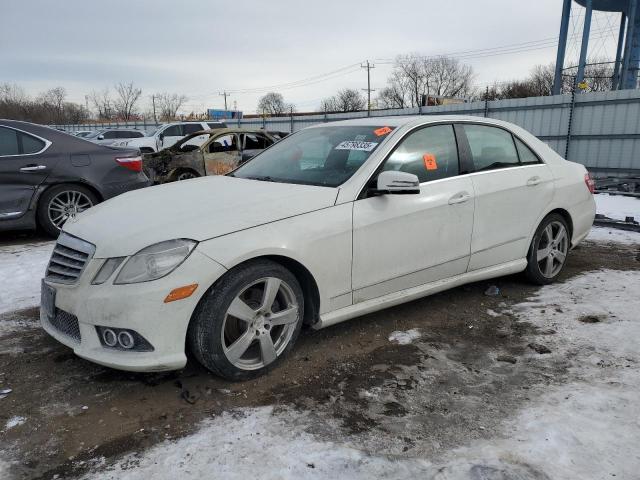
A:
248,321
60,203
185,175
549,250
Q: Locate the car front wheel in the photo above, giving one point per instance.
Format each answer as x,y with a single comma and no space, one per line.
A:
247,321
549,250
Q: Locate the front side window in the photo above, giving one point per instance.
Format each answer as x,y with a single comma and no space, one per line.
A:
431,153
491,147
225,143
111,135
324,156
253,141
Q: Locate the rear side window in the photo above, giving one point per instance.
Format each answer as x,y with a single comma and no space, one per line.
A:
30,144
254,142
216,125
18,143
189,128
491,147
431,153
527,157
110,135
8,142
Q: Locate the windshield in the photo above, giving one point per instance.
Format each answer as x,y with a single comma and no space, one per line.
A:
192,142
325,156
95,134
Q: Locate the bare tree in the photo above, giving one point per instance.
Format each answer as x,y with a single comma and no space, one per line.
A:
102,103
48,108
273,104
54,101
346,100
168,104
415,76
126,98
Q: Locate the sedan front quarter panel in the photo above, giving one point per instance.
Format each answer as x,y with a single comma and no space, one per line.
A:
321,241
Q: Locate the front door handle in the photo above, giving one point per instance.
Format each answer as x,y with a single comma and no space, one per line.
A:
533,181
33,168
460,197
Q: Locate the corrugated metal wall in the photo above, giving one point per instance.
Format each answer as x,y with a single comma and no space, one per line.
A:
605,126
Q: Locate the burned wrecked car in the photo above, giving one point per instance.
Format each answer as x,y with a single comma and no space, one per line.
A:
208,152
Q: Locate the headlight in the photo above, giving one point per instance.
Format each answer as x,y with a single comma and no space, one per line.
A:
155,261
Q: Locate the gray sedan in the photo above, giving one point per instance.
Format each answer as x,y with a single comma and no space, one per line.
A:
47,177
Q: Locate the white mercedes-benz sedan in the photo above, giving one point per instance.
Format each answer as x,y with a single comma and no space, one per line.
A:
335,221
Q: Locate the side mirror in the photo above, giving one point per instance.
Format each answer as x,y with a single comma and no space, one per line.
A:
393,182
100,137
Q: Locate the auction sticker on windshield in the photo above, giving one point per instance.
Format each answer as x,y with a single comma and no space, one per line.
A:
356,145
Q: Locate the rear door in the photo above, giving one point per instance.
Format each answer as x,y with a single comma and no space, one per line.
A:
512,189
24,165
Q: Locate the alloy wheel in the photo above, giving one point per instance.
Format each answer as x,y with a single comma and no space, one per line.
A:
552,249
67,204
259,323
185,176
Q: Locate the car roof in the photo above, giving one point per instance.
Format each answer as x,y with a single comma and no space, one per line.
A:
411,120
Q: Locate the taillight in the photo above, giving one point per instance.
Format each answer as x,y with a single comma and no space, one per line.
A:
590,182
132,163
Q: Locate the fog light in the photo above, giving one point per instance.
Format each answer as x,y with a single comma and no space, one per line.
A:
125,339
109,337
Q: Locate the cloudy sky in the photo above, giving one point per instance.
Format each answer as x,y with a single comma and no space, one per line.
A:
200,48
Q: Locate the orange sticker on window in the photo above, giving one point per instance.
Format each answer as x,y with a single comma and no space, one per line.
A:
382,131
430,161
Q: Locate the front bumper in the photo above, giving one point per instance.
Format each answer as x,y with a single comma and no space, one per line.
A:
138,307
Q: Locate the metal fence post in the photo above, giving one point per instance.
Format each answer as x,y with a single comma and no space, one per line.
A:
572,106
486,103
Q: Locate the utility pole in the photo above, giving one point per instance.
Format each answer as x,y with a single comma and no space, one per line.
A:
153,101
368,66
225,95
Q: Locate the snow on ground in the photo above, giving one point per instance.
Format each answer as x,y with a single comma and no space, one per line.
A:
14,422
613,235
21,268
617,206
587,427
405,338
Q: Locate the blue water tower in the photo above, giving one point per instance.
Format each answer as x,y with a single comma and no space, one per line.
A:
627,63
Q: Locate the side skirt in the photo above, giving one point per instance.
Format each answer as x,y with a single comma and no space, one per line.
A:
403,296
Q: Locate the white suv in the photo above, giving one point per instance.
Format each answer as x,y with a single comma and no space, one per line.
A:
167,135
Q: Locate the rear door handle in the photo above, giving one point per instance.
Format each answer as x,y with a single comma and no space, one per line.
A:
533,181
33,168
460,197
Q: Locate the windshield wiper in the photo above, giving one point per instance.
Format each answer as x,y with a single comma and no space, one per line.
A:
264,178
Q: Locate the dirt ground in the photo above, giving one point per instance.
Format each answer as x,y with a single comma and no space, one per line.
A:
477,365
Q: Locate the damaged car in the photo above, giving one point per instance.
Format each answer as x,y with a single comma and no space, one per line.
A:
208,152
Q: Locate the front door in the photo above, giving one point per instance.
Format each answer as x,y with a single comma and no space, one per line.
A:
222,154
22,169
403,241
513,188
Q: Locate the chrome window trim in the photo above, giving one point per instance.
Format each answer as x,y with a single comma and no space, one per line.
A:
47,143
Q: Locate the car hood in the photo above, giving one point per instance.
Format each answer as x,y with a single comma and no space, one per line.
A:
199,209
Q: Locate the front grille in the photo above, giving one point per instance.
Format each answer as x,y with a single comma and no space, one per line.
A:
68,259
66,324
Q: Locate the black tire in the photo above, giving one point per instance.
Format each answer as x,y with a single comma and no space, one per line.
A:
534,271
183,174
205,333
45,221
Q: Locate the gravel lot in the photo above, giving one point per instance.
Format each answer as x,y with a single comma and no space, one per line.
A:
532,383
